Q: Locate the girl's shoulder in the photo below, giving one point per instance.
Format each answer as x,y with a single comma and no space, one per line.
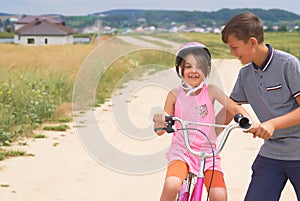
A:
212,88
170,101
213,91
173,93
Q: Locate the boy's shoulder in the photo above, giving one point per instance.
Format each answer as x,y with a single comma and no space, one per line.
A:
247,67
278,58
284,55
285,60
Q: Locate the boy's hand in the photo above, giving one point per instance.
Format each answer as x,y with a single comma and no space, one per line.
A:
264,130
253,129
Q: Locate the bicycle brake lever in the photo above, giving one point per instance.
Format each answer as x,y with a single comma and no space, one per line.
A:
170,124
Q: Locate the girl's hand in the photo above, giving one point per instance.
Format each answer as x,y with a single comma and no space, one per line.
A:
159,122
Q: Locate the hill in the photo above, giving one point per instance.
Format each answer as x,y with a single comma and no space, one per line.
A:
220,15
162,18
132,18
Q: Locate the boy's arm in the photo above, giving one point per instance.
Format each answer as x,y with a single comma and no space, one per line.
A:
266,129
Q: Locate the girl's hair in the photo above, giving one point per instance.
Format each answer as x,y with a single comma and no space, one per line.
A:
244,26
201,54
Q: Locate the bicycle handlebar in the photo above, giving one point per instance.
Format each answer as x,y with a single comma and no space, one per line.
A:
241,122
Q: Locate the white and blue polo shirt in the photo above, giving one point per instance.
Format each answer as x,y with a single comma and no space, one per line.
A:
271,90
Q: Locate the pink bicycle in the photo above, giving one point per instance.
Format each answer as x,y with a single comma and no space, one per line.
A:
192,188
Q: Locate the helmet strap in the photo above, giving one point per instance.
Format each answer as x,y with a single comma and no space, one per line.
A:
191,89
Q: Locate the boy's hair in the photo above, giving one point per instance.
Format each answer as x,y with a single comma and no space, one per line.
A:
244,26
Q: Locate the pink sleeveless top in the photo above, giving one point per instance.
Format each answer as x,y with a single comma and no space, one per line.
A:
197,108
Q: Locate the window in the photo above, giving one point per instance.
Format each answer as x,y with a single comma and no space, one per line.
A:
30,40
46,40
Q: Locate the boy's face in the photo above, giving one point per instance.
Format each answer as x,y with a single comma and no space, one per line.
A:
238,48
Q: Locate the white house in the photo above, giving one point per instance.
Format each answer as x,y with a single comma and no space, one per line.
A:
42,31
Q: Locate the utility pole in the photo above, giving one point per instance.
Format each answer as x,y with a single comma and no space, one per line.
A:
99,27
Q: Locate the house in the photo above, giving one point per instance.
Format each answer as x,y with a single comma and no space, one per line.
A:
37,30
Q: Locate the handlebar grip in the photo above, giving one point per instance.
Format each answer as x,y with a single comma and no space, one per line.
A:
244,122
170,124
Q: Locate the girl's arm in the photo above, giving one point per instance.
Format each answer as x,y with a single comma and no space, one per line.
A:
229,105
170,102
230,108
159,118
222,117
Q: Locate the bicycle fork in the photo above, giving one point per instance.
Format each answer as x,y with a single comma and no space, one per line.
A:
192,188
198,189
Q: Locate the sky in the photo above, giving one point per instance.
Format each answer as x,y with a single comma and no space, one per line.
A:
85,7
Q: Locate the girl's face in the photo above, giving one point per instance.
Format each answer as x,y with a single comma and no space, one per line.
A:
238,48
191,74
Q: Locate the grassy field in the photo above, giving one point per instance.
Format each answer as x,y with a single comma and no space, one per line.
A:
286,41
36,82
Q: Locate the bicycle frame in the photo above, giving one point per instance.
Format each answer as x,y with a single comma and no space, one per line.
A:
241,122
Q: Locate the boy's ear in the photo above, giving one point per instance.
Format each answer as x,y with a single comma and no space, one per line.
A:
253,41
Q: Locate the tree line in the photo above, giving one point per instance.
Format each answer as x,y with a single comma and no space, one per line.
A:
163,18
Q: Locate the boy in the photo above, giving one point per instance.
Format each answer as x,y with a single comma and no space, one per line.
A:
269,82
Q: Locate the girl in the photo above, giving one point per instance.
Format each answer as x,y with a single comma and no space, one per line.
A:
193,101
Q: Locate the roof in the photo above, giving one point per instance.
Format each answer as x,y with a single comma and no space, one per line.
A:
44,28
30,18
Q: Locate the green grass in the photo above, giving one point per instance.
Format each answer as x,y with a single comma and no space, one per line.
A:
61,120
6,35
286,41
5,138
217,48
28,99
34,82
10,153
61,127
40,136
137,63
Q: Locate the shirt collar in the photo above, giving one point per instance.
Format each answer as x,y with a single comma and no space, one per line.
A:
267,61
